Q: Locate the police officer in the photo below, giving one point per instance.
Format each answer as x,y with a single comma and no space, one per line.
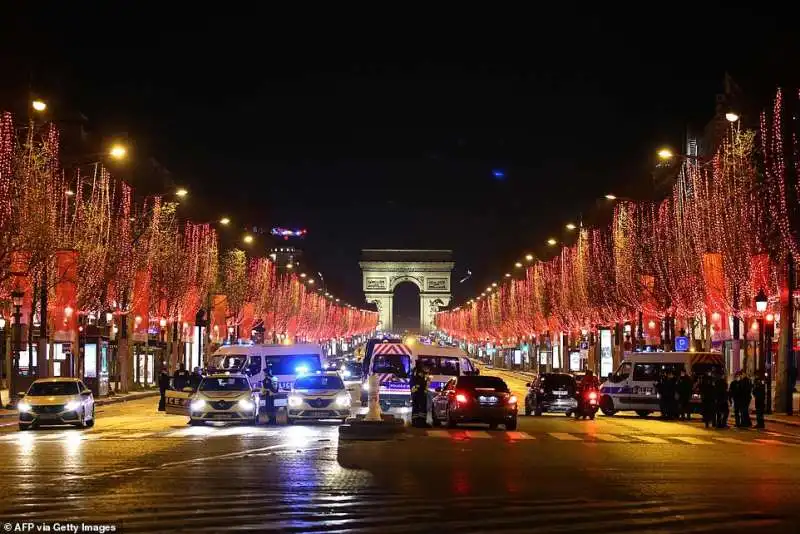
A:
760,396
269,387
163,386
419,397
181,378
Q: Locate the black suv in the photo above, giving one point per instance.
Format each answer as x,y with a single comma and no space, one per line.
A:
552,392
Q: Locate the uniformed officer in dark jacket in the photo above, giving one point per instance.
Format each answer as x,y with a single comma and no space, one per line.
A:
734,395
760,396
181,378
163,386
721,399
708,400
419,397
685,395
745,397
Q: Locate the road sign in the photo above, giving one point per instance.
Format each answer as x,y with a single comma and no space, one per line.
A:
681,343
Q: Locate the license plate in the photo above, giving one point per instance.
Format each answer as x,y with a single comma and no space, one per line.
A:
487,400
285,385
318,414
559,393
280,402
221,415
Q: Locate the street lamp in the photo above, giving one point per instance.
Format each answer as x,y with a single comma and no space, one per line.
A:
571,226
247,239
180,193
118,151
611,197
665,154
731,116
224,221
16,299
38,105
528,257
761,307
552,242
761,301
518,265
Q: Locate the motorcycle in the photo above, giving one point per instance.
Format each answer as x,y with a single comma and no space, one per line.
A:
588,404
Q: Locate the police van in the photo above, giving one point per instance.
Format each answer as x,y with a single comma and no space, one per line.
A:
442,363
633,385
286,362
392,364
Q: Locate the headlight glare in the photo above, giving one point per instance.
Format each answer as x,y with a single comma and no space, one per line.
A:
343,399
198,405
295,400
23,406
246,404
72,406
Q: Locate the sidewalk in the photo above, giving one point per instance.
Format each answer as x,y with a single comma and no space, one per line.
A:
5,412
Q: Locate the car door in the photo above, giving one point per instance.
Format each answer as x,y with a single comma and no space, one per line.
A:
87,396
440,400
177,402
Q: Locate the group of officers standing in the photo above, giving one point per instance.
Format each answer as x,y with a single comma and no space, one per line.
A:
718,396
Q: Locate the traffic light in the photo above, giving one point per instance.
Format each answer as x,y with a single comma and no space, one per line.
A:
769,326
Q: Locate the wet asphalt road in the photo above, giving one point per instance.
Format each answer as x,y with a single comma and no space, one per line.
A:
150,472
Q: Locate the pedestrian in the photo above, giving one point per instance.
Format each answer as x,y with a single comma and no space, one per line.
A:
195,379
419,397
745,397
735,397
163,386
661,389
181,378
721,401
708,401
760,396
685,395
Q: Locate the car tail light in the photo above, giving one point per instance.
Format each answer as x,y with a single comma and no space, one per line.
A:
461,398
512,399
593,395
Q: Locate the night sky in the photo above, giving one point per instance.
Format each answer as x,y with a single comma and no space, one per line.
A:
384,132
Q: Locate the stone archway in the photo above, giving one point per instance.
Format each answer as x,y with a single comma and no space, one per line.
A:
384,269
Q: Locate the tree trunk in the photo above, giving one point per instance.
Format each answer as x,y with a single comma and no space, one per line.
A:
779,370
174,347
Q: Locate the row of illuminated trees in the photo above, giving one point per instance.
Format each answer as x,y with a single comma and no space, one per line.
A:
689,261
76,243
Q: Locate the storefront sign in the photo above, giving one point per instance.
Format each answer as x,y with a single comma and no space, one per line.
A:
606,361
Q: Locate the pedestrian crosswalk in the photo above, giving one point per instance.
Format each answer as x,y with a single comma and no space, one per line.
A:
241,509
469,435
172,433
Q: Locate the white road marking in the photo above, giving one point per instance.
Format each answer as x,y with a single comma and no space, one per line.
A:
563,436
511,435
734,441
438,433
610,437
477,434
652,439
692,441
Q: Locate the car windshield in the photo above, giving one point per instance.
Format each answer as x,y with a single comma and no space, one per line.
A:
399,364
483,382
294,364
53,388
319,382
440,365
557,382
224,384
354,368
228,362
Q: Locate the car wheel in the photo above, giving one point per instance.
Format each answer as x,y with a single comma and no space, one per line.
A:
591,416
90,424
641,413
607,406
511,424
24,426
492,426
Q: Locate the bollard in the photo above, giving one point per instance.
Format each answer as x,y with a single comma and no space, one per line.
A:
373,400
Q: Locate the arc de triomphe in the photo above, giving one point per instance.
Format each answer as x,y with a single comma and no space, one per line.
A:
384,269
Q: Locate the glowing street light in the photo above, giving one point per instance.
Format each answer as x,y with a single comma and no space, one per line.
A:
571,226
180,193
508,275
665,154
518,264
611,197
69,192
494,284
247,239
529,257
225,221
38,105
118,151
552,242
731,116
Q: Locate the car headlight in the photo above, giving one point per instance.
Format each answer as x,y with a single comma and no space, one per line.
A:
295,400
346,373
72,406
246,404
343,399
23,406
365,386
198,405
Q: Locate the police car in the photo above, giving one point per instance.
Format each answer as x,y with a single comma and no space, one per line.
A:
321,396
224,397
